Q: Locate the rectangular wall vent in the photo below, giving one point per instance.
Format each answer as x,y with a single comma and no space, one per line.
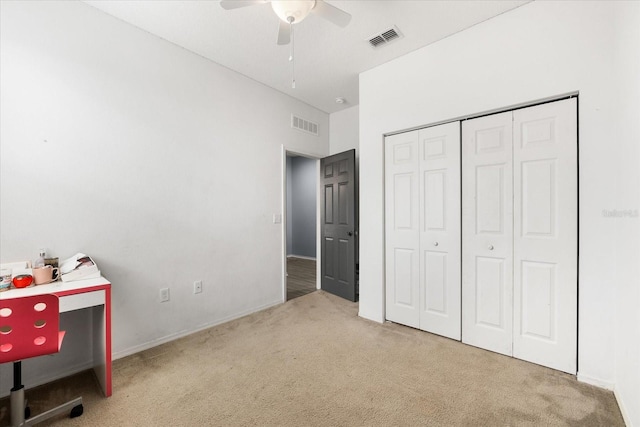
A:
384,37
304,125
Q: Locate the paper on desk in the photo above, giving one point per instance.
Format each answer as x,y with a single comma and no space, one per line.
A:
70,264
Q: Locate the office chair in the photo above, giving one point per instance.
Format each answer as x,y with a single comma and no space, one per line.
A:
29,327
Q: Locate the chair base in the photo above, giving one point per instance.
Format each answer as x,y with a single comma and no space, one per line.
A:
18,410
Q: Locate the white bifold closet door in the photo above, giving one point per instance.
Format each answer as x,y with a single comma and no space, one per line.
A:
487,233
519,234
422,208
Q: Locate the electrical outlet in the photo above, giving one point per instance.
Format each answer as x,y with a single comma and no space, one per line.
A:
164,294
197,286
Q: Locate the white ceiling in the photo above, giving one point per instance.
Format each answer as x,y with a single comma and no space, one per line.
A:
328,58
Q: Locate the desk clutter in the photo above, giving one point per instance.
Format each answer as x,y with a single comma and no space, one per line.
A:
47,270
90,294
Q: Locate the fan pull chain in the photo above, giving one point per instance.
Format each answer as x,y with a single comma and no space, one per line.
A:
291,58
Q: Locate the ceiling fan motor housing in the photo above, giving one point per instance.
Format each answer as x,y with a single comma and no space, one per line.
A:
296,9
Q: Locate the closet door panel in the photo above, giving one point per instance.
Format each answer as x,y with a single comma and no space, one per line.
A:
402,238
545,240
490,292
440,293
487,233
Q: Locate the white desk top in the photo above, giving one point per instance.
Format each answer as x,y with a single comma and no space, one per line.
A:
59,287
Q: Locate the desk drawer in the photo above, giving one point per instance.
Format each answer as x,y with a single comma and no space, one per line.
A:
83,300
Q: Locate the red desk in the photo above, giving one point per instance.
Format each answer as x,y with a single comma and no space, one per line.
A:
94,294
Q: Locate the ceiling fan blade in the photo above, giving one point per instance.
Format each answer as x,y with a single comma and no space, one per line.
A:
284,33
331,13
235,4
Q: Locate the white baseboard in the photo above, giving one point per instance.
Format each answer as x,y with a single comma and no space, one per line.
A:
623,408
609,386
154,343
595,381
301,257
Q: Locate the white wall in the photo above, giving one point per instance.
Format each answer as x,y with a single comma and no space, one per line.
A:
627,238
344,132
163,166
539,50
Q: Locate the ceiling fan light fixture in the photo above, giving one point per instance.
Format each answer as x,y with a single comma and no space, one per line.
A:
298,9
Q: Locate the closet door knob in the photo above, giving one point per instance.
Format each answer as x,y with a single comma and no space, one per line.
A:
435,243
490,247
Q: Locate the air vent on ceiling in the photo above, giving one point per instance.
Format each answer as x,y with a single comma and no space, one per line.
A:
384,37
304,125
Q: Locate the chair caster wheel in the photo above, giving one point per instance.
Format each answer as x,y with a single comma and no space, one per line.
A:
27,412
76,411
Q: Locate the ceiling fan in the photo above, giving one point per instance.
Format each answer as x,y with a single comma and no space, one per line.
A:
293,12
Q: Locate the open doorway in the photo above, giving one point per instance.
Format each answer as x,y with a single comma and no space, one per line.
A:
301,225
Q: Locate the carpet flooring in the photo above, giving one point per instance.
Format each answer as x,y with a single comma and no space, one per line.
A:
313,362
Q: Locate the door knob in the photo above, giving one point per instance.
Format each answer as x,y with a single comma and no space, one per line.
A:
435,243
490,247
350,233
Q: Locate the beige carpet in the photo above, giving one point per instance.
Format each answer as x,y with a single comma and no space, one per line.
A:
312,361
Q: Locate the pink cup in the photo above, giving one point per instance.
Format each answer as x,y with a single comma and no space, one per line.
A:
46,274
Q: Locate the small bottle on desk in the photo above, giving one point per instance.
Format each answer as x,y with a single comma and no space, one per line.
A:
39,262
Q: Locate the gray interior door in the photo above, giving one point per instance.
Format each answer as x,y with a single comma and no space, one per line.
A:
339,225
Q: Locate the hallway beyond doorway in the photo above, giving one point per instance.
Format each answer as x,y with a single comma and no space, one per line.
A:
301,277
